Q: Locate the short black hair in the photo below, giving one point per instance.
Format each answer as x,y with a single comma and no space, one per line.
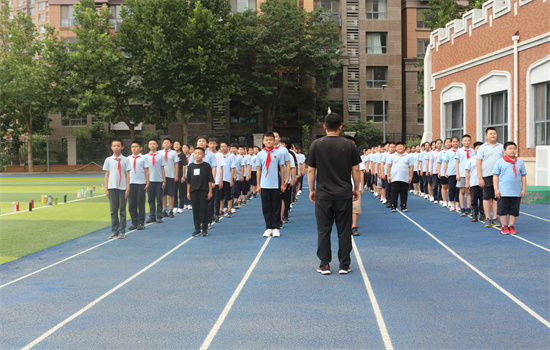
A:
116,140
489,129
213,139
178,141
477,143
221,142
400,143
466,135
432,143
200,148
257,147
269,134
448,138
510,143
136,142
333,121
167,138
455,137
439,140
202,137
151,139
424,144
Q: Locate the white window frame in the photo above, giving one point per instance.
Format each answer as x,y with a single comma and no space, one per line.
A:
494,81
538,72
452,92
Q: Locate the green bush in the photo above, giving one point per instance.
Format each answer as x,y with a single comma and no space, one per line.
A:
366,134
413,142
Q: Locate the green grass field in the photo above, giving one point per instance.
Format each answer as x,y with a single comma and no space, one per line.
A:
28,232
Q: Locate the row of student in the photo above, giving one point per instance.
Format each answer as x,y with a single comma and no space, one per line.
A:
171,186
487,178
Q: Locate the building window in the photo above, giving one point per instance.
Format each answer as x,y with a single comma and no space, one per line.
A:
116,16
337,81
41,17
376,9
324,4
453,119
542,113
41,30
377,76
73,121
20,3
423,13
32,11
495,113
67,16
375,112
421,46
32,2
420,118
41,6
376,43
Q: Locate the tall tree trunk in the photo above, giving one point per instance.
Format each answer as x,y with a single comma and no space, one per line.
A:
184,129
270,117
29,146
132,128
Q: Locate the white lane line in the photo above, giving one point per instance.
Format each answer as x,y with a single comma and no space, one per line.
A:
488,279
525,240
229,305
534,216
63,260
93,303
377,313
51,206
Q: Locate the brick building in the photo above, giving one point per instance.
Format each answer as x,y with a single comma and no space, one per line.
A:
492,68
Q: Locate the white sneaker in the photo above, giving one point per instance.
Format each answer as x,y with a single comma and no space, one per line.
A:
452,208
276,233
436,202
233,210
431,199
384,201
267,233
299,192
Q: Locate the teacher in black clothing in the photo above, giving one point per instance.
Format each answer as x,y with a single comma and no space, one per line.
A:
332,159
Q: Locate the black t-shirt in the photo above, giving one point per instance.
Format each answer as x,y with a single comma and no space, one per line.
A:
333,157
181,163
198,176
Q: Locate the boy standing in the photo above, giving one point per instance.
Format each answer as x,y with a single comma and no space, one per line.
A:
449,169
462,156
510,183
253,180
472,183
139,182
157,182
400,170
218,182
171,160
199,190
269,166
226,183
117,178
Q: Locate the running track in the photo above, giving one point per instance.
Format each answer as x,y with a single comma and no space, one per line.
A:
428,279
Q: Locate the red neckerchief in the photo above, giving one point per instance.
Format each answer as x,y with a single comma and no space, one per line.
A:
153,155
119,170
513,162
467,153
135,157
268,160
166,154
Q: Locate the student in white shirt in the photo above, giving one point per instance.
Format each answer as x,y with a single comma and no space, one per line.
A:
139,182
400,172
472,184
462,156
171,160
157,181
218,181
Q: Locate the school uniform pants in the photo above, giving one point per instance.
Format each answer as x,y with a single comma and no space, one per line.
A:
216,200
286,196
271,207
327,212
453,190
476,200
117,204
401,189
436,187
199,201
181,195
136,204
155,194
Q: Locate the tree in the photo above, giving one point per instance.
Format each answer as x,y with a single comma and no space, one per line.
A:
101,80
28,74
281,52
366,134
180,51
442,12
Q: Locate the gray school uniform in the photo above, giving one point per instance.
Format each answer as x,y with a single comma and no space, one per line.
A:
117,185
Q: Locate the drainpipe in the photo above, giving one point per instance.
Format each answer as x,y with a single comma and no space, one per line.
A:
515,38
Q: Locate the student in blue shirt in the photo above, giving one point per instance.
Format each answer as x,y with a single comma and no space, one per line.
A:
400,173
117,178
472,183
157,181
449,169
461,157
139,182
443,179
269,166
510,182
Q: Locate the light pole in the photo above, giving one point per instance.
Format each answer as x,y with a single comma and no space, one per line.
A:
384,109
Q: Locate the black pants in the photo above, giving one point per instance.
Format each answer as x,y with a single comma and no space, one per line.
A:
117,204
216,198
327,212
271,207
286,197
453,191
387,187
136,204
199,201
436,187
399,188
476,200
181,195
155,193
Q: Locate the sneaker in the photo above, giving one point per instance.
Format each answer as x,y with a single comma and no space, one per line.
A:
474,218
132,227
122,236
495,223
487,223
394,210
180,210
150,220
216,219
436,202
324,269
140,227
159,220
286,221
354,231
233,210
482,217
276,233
195,234
388,205
505,230
113,235
404,209
431,199
204,233
229,215
463,212
343,270
209,226
164,214
267,233
512,230
171,214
